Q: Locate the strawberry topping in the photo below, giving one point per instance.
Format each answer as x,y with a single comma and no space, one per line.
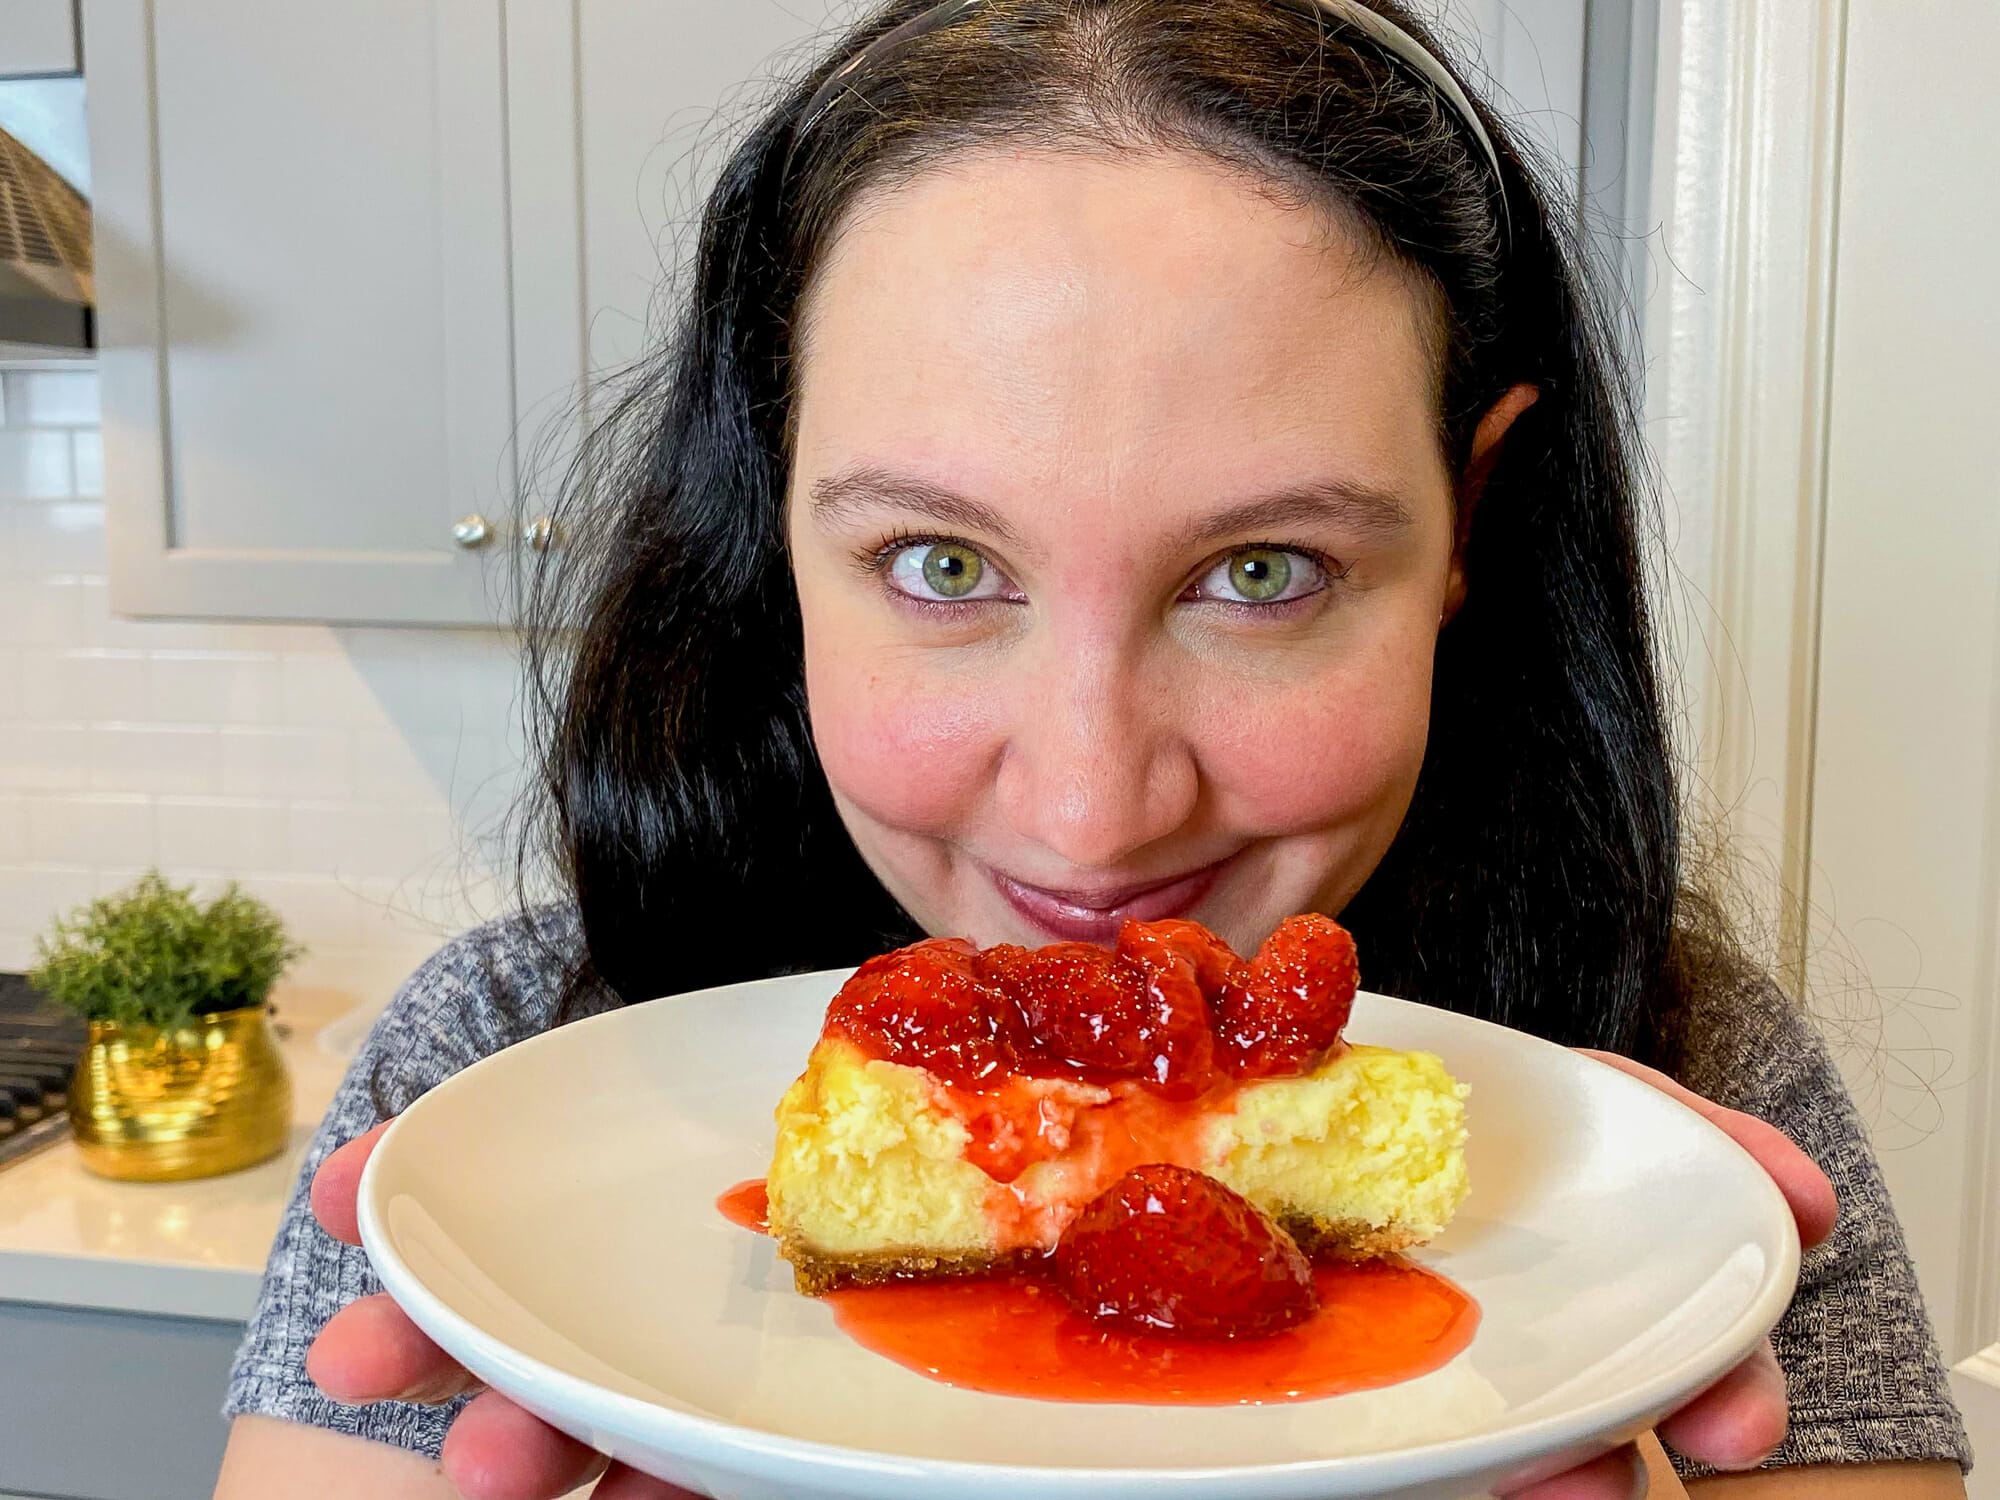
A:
1281,1012
1174,1011
1171,1007
1213,959
1097,1016
927,1007
1167,1250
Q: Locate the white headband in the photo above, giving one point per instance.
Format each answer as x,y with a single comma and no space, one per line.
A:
1379,29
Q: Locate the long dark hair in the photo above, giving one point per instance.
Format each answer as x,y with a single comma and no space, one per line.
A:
1534,879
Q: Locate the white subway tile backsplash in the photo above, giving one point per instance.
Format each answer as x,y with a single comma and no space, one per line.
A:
36,464
351,839
345,775
309,763
96,829
328,909
37,611
50,398
161,758
111,880
45,757
423,911
87,459
230,834
327,691
13,832
461,767
33,895
215,687
100,627
90,684
62,538
389,766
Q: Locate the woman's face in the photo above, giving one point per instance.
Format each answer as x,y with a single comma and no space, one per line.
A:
1122,538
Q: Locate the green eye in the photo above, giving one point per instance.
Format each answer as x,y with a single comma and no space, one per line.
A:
1260,574
952,571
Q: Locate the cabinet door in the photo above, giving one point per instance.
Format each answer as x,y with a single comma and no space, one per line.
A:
38,40
302,269
620,114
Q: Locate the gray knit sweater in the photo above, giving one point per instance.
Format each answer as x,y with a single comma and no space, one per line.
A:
1863,1370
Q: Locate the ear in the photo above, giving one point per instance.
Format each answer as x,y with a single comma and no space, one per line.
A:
1486,440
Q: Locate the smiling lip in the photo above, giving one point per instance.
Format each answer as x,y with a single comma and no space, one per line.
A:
1095,917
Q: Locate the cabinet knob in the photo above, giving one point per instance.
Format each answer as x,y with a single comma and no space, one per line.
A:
471,531
541,533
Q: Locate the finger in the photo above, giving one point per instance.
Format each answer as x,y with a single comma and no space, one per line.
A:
371,1351
1801,1181
621,1483
337,1184
497,1451
1739,1421
1617,1475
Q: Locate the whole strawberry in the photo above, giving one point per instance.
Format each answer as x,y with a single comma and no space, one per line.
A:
1279,1013
927,1007
1166,1249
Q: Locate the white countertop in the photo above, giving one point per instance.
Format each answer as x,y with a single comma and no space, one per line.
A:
180,1249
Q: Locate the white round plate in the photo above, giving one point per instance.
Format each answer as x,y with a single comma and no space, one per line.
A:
548,1216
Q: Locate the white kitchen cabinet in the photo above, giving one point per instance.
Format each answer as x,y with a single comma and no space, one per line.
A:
361,266
323,317
37,38
301,217
621,112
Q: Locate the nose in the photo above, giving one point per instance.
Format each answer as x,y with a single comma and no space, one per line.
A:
1096,765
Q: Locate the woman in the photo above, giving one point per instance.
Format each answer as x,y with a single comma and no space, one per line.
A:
1120,458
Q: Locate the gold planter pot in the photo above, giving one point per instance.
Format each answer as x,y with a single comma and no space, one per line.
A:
154,1105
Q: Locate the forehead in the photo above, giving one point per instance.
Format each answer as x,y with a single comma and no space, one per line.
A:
1089,326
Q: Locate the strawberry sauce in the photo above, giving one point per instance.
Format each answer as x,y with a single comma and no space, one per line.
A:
747,1206
1014,1335
1377,1324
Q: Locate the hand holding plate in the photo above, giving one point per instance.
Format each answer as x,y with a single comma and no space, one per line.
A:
371,1351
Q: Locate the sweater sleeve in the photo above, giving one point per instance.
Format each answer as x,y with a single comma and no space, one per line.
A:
1862,1368
481,992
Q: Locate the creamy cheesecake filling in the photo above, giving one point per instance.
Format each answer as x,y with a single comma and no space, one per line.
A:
879,1160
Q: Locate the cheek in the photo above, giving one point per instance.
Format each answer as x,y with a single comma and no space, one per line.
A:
1340,751
905,744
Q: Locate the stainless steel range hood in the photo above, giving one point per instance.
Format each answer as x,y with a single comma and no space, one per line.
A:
45,281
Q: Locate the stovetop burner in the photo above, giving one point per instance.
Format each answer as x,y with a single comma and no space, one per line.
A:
39,1046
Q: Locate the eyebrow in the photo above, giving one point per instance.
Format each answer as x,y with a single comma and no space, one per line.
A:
838,496
1362,510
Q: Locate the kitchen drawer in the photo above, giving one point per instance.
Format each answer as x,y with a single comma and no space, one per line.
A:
111,1406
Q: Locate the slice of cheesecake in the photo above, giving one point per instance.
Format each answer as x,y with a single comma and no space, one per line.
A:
961,1107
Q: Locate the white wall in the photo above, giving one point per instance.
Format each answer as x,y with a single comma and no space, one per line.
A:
349,777
1820,374
1906,781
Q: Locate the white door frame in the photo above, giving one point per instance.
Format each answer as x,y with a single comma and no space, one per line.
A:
1739,319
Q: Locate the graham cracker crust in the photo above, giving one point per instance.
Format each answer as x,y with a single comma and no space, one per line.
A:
815,1272
1347,1239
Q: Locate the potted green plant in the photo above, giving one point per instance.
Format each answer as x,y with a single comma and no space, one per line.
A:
181,1076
